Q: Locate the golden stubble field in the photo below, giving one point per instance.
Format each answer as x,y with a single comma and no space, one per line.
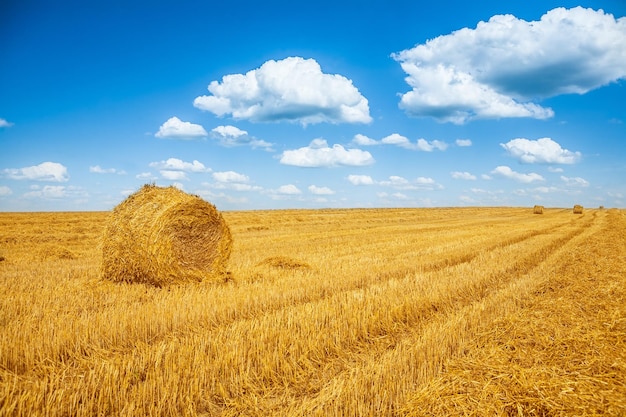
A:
390,312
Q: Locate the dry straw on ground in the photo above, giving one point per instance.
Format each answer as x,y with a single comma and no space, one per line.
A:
284,262
165,236
578,209
538,210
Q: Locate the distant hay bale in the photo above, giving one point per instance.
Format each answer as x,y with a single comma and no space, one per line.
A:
578,209
538,210
165,236
601,207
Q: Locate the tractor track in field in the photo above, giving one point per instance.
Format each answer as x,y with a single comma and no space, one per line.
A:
368,349
73,353
425,321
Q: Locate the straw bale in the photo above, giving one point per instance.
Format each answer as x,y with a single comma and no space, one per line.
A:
165,236
578,209
538,209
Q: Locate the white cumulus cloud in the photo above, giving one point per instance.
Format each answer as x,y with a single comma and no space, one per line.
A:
173,175
401,141
288,189
176,164
507,172
457,175
46,171
363,140
177,129
175,169
499,68
230,136
397,182
4,190
575,181
360,179
97,169
230,176
5,123
319,154
463,142
540,151
313,189
293,89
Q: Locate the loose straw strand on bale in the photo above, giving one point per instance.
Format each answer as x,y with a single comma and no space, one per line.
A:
164,236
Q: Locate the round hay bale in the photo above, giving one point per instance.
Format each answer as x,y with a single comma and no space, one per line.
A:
538,209
165,236
578,209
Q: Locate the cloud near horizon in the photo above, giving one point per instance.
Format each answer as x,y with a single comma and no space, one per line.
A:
396,182
318,154
175,169
540,151
293,89
499,68
46,171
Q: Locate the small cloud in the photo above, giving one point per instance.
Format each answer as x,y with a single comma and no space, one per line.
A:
313,189
400,196
231,136
146,176
230,176
293,89
173,175
463,142
362,140
397,182
175,169
401,141
540,151
180,165
56,192
507,172
4,191
46,171
319,154
555,169
360,180
174,128
288,189
4,123
98,170
457,175
574,181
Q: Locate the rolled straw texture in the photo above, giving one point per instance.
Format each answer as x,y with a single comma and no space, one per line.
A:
165,236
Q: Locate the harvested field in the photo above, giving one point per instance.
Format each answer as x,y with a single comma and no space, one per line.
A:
382,312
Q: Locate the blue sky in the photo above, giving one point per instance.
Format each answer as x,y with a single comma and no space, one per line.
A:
327,104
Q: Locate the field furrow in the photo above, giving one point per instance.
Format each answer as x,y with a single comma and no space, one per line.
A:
330,312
